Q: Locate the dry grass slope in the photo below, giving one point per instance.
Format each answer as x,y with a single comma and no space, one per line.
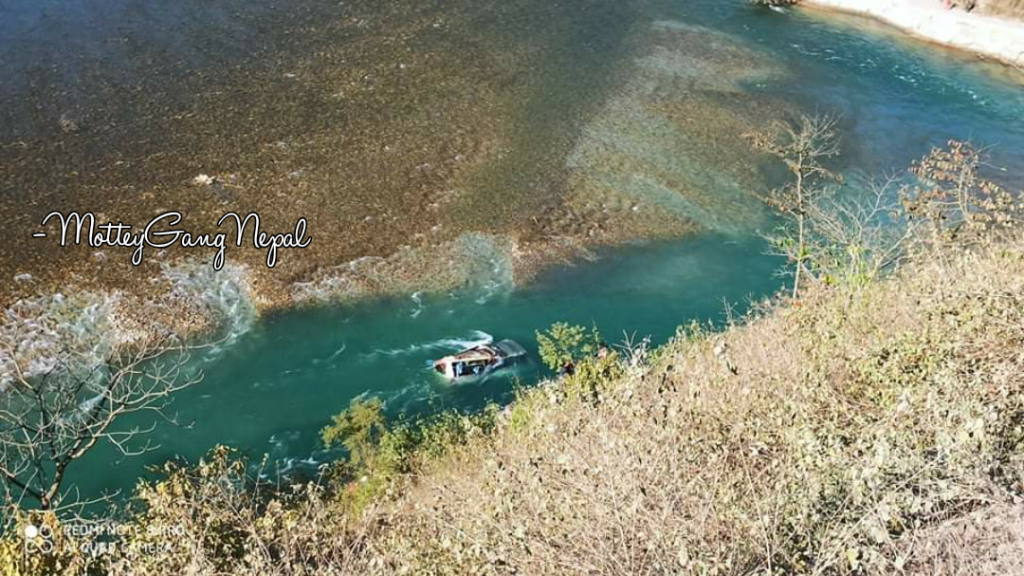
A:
864,431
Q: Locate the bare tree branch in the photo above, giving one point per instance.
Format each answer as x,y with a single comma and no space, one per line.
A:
49,421
802,146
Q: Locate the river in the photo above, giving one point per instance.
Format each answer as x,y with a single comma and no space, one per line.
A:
279,379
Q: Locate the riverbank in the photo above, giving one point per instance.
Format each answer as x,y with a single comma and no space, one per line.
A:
993,37
874,429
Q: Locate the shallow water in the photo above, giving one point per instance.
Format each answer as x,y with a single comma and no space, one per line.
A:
274,386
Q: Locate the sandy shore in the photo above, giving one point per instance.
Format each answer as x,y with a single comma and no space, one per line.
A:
992,37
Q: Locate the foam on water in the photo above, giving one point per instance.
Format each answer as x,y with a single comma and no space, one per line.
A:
73,333
332,357
224,296
406,398
477,338
470,262
419,304
56,333
490,268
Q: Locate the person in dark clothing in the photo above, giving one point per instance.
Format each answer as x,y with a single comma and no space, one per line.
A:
568,369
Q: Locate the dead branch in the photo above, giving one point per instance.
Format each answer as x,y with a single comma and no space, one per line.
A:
49,421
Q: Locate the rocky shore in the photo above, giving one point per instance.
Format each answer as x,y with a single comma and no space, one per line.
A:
999,38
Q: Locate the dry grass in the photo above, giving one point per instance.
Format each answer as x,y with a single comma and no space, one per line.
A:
989,542
1010,8
857,432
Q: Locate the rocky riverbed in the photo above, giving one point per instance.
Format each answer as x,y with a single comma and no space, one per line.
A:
428,146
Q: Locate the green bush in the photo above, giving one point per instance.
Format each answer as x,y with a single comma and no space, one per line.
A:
357,428
564,344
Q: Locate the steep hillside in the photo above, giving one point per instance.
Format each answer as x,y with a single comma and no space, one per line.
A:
869,428
874,429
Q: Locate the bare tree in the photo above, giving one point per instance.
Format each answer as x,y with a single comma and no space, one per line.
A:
49,421
859,235
802,146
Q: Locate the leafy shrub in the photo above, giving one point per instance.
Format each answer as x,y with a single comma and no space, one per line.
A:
563,345
380,453
357,428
